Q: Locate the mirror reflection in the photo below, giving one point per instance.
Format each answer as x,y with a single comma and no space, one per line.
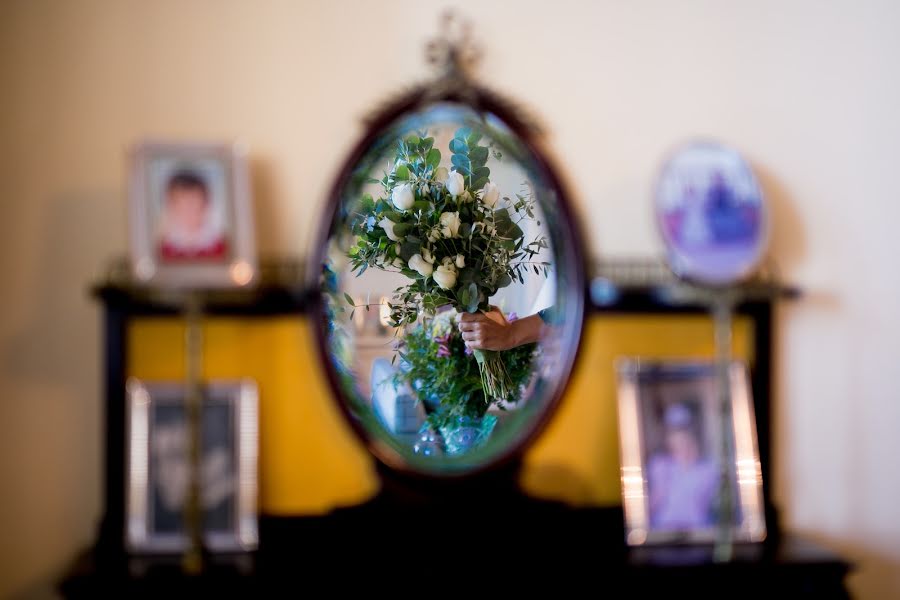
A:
450,318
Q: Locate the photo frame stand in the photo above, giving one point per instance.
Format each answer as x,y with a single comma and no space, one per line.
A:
721,303
192,560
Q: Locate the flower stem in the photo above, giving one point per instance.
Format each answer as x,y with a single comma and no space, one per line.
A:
495,380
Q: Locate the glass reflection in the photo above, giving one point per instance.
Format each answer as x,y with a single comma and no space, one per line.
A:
448,319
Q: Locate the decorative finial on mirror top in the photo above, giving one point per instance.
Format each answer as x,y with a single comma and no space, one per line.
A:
454,55
453,52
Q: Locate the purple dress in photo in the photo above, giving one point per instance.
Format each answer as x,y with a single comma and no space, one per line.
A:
681,495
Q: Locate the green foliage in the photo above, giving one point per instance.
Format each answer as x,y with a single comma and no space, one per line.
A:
450,384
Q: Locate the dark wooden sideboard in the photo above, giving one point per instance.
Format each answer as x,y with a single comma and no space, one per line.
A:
434,538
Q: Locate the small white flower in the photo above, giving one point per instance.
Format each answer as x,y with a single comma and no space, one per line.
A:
455,184
440,174
398,262
403,197
388,227
336,256
491,194
421,265
447,261
445,276
460,261
450,224
428,256
431,237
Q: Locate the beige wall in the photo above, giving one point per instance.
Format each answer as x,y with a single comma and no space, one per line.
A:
809,90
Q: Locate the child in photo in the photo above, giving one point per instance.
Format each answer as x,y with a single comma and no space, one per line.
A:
188,227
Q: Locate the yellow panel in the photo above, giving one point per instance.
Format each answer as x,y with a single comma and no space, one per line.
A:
577,457
310,462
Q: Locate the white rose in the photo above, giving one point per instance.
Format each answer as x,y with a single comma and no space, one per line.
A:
445,277
455,184
403,197
388,227
460,261
426,254
450,224
491,194
441,174
421,265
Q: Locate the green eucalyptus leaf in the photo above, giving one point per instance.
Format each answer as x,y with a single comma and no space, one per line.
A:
458,146
464,297
402,228
401,173
474,298
462,164
463,133
433,158
478,155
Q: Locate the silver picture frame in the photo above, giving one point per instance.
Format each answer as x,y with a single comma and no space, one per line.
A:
158,471
220,252
667,411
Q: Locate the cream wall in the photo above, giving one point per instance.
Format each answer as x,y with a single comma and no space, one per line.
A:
808,90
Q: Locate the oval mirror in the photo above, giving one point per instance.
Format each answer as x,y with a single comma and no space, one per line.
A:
450,286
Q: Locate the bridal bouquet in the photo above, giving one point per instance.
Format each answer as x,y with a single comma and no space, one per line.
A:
450,233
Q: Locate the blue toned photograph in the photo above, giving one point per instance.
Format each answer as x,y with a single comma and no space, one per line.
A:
711,214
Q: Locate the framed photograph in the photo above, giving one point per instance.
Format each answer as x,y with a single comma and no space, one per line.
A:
191,216
159,472
670,433
711,213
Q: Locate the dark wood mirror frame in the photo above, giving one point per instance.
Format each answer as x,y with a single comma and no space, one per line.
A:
501,471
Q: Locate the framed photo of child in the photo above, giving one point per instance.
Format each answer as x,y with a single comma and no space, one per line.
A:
671,438
191,216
